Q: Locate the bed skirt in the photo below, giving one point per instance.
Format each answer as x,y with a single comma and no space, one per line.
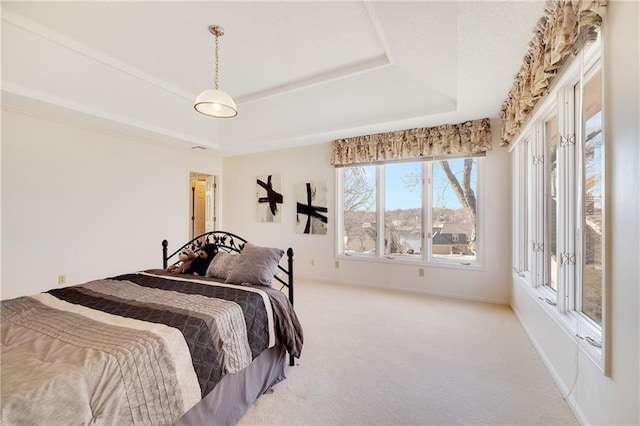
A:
234,394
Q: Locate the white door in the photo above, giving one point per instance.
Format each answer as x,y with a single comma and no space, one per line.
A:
203,203
197,207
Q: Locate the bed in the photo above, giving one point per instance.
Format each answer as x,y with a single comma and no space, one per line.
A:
159,346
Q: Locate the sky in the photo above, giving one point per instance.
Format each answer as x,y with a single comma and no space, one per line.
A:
400,197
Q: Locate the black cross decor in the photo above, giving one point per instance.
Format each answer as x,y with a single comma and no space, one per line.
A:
311,211
273,198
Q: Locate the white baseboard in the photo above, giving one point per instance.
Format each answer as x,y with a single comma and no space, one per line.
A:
416,291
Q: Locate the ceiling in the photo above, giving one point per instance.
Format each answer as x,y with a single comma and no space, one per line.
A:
301,72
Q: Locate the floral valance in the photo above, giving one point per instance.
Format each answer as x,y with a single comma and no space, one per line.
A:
470,137
564,29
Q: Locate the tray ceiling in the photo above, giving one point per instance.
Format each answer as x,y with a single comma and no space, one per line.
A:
300,72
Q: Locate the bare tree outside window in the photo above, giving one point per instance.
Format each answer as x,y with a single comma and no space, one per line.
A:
359,194
465,194
359,215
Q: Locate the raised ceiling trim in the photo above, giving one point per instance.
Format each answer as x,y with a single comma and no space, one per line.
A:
377,26
325,77
55,37
101,114
316,80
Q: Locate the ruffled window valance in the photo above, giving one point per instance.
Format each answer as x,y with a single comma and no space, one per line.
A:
564,29
470,137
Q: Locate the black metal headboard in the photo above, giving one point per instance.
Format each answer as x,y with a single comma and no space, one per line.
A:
230,243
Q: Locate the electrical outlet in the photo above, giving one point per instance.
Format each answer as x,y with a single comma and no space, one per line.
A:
62,279
421,272
313,262
337,263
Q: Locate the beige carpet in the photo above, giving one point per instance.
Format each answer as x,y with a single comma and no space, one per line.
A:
376,357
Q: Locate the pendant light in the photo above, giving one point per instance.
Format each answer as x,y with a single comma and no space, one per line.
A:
214,102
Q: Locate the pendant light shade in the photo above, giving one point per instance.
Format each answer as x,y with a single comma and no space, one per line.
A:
214,102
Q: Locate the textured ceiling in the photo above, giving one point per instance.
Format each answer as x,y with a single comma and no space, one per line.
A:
300,72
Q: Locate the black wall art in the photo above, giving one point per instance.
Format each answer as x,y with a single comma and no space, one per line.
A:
311,208
269,198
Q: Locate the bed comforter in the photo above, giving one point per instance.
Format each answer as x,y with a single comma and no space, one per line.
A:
139,348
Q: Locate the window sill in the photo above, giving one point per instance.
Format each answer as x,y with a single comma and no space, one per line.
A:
572,323
473,266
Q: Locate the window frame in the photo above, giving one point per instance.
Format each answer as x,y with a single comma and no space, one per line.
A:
522,224
563,306
580,202
426,258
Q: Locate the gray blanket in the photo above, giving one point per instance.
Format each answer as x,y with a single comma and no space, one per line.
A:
135,349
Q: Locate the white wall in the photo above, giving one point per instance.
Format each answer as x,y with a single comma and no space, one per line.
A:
87,204
312,163
597,399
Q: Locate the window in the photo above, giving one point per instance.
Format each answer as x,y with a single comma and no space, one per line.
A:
403,209
592,197
453,207
397,200
559,224
359,210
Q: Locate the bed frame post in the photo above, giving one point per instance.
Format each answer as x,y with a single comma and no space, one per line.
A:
165,244
290,264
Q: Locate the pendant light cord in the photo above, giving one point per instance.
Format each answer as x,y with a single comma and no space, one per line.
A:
215,80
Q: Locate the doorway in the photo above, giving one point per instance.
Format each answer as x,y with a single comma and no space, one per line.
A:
203,193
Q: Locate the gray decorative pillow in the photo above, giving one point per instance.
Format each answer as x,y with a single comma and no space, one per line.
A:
222,264
256,266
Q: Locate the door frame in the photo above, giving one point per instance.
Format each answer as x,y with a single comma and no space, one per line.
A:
211,201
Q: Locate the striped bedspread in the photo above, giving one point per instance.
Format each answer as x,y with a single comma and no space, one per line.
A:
139,348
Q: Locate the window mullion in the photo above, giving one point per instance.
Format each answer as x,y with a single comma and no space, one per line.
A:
539,236
516,228
380,226
531,208
524,206
480,228
578,217
562,198
531,232
427,209
565,200
574,227
339,227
